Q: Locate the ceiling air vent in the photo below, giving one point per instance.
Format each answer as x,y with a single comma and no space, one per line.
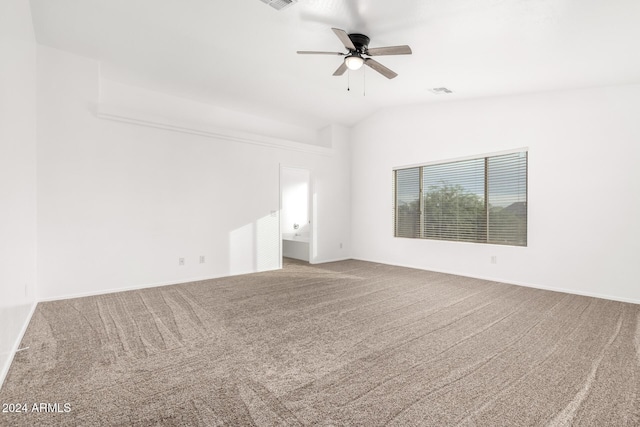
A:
440,90
279,4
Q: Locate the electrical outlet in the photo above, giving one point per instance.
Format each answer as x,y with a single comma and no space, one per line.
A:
340,245
494,259
201,259
180,261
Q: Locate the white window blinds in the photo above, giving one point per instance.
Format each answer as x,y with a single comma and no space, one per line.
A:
478,200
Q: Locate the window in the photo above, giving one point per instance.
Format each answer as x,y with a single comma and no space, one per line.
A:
481,200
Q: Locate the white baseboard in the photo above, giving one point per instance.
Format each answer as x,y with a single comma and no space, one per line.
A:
4,370
145,286
324,261
516,283
124,289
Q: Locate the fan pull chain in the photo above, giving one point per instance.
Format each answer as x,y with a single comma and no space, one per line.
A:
348,80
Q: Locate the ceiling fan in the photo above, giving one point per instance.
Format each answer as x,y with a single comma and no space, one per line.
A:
357,46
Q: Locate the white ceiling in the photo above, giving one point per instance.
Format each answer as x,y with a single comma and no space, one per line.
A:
241,54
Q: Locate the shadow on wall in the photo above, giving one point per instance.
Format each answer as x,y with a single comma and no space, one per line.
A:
255,246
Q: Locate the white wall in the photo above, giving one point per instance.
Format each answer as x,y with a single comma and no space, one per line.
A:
159,107
119,203
584,182
17,175
331,201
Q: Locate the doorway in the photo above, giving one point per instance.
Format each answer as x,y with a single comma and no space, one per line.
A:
295,213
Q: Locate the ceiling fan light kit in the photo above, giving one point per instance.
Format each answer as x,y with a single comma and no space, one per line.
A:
358,53
354,62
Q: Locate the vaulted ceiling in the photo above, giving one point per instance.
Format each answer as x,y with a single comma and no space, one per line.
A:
241,54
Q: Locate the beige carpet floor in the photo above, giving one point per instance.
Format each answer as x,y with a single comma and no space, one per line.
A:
345,343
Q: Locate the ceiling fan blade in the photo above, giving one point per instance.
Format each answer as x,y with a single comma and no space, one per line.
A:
389,50
317,52
341,69
344,38
380,68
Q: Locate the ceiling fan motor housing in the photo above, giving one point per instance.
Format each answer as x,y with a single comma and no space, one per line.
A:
360,41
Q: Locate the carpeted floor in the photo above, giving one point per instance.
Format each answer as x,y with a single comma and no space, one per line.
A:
346,343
